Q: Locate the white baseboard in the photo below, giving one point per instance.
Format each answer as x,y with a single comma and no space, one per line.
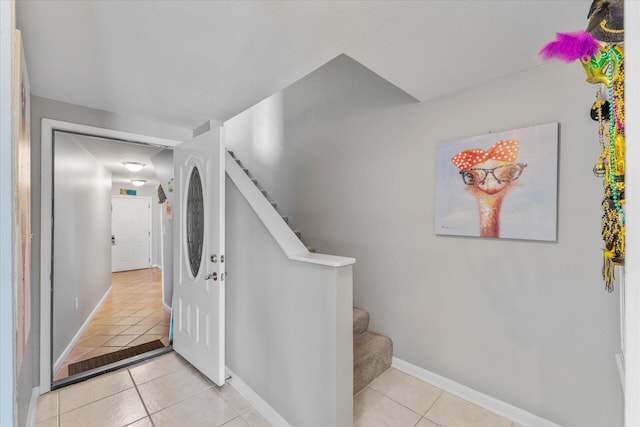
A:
166,308
156,266
620,363
270,414
496,406
78,334
33,407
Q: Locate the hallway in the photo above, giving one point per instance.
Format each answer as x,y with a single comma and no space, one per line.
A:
132,314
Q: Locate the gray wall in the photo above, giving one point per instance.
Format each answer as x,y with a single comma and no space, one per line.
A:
167,257
288,324
351,161
82,237
163,164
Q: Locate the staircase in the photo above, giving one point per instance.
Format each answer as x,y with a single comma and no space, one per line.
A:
275,205
372,352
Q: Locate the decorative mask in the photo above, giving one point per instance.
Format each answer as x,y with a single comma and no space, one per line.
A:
597,67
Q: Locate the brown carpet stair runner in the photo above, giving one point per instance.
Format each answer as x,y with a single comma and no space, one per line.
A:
372,352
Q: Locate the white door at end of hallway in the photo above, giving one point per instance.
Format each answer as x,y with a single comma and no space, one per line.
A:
130,233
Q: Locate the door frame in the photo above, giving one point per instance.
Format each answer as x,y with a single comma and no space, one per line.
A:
49,126
631,386
8,309
149,219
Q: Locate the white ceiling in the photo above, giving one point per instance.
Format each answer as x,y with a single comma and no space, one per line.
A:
184,62
112,153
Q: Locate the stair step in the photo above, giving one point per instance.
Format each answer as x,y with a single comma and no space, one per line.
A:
263,191
360,320
372,354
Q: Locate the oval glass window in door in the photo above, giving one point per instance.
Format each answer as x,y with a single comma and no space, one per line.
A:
195,221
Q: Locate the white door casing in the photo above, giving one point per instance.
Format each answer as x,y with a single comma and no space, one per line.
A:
198,296
131,233
48,128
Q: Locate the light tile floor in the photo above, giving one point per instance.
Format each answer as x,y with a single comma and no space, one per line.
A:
132,314
167,391
396,399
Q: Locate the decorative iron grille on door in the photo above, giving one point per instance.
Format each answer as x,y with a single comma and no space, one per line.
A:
195,221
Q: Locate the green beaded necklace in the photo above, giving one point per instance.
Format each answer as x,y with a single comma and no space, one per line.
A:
612,121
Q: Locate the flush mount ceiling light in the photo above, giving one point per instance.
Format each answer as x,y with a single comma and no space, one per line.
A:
133,166
138,182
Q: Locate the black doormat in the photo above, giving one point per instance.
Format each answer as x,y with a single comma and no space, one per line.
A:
105,359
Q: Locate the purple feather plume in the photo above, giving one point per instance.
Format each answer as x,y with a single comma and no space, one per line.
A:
568,47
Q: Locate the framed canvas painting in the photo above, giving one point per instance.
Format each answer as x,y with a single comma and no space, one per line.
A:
500,185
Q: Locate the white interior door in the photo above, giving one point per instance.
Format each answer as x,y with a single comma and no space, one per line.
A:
198,296
130,233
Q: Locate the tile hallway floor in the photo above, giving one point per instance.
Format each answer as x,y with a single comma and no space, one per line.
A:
167,391
131,314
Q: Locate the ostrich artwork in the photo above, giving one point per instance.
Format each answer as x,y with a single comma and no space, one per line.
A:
489,176
473,175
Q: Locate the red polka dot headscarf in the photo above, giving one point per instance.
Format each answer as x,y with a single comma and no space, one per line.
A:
504,150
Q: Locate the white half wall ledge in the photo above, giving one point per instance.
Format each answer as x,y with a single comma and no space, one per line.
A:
286,238
517,415
324,259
